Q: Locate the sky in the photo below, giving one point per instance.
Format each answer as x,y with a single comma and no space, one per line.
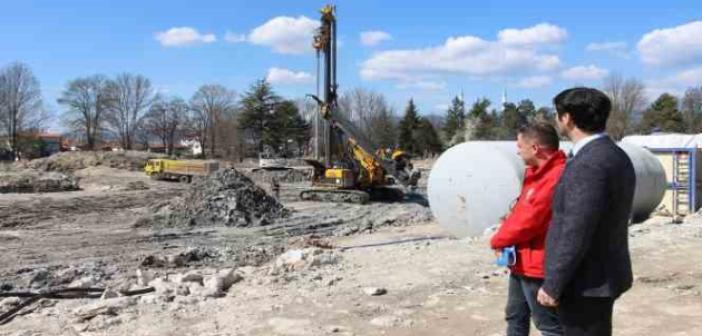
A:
426,50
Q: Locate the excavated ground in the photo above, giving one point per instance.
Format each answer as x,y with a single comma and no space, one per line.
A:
325,269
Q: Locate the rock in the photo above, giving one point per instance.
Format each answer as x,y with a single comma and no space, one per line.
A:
87,281
333,329
175,260
149,299
213,286
295,260
143,277
229,277
189,277
10,302
374,291
103,307
166,288
196,289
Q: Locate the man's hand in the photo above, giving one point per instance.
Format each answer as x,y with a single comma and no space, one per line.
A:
545,299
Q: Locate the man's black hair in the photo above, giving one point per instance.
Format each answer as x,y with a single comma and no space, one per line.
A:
589,108
544,134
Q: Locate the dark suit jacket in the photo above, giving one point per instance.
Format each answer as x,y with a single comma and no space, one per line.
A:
587,249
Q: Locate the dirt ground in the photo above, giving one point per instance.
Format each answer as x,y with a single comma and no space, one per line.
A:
434,285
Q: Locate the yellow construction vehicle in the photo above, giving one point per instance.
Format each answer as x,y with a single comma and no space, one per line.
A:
353,170
181,170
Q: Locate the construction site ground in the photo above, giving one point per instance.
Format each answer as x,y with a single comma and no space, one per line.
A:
388,268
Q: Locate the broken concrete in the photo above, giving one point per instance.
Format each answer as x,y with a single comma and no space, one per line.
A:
227,198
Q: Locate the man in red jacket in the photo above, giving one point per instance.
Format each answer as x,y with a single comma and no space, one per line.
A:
525,228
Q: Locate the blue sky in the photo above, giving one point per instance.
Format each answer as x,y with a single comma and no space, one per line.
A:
429,50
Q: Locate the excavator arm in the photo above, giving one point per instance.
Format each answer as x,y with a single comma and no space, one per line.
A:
362,149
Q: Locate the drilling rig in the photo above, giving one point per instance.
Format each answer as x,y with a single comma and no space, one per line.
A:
354,170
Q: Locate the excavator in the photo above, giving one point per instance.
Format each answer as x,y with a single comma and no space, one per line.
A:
354,170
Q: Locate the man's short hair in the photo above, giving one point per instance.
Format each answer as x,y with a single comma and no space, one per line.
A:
543,133
589,108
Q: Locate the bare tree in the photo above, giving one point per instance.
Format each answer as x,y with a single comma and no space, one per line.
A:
209,105
627,97
370,112
20,103
130,96
166,119
692,109
230,142
86,101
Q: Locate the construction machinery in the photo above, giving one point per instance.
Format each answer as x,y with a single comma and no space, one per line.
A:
181,170
353,170
268,159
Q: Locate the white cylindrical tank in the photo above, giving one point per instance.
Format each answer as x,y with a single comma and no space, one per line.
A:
472,185
650,180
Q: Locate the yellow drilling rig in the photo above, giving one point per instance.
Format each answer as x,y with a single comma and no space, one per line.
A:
353,170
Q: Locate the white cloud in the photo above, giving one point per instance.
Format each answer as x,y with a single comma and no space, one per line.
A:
689,77
422,85
584,73
182,37
543,33
285,35
675,84
617,48
234,37
285,76
373,38
468,55
672,46
441,107
533,82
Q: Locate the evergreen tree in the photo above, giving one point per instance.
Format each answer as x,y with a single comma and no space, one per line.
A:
408,125
545,114
258,114
482,123
527,110
512,120
427,139
455,116
287,127
663,115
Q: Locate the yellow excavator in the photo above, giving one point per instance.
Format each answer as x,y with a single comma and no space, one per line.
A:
353,170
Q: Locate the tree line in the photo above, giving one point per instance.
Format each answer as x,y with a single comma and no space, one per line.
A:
127,109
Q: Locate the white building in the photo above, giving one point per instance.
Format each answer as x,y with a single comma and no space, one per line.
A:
193,145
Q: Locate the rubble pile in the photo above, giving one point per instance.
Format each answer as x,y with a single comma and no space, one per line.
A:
31,181
227,198
72,161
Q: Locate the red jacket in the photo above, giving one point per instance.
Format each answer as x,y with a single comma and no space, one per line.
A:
526,225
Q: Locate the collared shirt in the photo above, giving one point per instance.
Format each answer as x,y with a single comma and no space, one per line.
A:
584,141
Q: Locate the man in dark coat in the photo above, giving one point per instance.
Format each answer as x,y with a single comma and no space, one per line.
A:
587,265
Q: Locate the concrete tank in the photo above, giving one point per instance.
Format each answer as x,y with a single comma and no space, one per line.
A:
472,185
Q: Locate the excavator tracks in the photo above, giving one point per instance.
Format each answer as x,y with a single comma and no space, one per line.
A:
335,196
353,196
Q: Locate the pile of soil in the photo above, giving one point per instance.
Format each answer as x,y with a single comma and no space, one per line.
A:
30,181
72,161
